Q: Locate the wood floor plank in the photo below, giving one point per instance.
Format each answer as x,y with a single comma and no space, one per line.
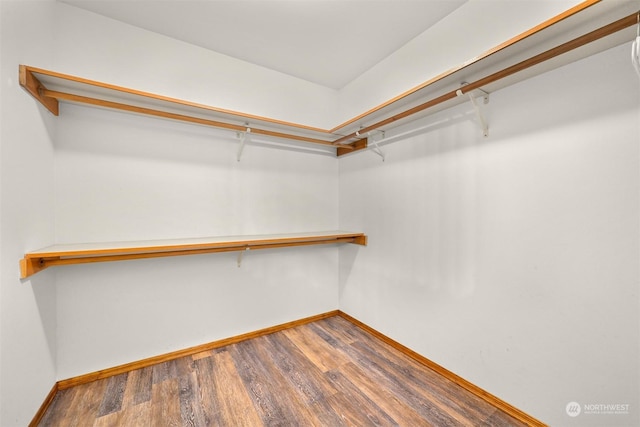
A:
343,337
344,330
330,372
201,355
182,366
319,352
458,402
236,406
448,396
88,403
420,379
160,372
266,384
110,420
443,409
355,407
139,384
430,410
166,404
385,399
499,419
305,379
57,411
168,370
207,392
135,416
85,403
190,409
114,393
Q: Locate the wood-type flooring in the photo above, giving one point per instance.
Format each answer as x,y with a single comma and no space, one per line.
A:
327,373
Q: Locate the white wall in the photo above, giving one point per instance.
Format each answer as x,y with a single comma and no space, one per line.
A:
27,308
125,177
512,260
99,48
120,177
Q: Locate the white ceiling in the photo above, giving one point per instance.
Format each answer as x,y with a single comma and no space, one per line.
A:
329,42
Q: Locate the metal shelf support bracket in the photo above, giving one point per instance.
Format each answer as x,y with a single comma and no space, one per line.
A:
240,254
374,137
244,138
481,119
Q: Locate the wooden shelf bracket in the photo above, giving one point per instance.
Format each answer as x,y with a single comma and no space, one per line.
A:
36,89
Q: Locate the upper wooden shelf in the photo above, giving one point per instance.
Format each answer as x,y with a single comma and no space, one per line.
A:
583,30
83,253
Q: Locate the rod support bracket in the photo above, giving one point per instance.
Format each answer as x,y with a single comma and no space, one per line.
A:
240,254
374,137
243,137
481,119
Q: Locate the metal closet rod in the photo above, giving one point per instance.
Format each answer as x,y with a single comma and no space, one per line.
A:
592,36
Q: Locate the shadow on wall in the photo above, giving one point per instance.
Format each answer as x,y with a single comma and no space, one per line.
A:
347,258
43,285
106,132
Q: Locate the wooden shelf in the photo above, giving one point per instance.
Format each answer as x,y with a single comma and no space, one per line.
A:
583,30
66,254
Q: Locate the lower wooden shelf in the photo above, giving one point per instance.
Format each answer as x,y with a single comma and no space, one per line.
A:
83,253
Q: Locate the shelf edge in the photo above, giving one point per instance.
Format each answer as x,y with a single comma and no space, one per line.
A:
34,262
